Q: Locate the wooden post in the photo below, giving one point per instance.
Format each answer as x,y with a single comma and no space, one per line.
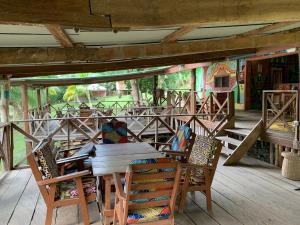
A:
231,109
193,92
5,101
25,107
39,101
264,109
238,80
211,105
272,148
155,83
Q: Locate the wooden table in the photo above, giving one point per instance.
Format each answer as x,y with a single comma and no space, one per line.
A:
111,158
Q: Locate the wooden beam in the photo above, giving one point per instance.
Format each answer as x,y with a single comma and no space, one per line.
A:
181,13
60,35
266,29
42,70
62,12
45,55
174,36
154,13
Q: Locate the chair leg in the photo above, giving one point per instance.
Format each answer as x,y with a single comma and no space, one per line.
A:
208,200
49,216
84,212
182,201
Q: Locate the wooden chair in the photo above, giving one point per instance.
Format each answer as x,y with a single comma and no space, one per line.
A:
81,154
75,188
150,191
199,171
182,144
114,132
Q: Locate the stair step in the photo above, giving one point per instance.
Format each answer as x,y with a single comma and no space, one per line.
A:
229,140
227,151
239,131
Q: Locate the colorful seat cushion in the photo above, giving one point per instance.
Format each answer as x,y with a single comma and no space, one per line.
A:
46,160
148,214
114,132
203,151
181,138
68,189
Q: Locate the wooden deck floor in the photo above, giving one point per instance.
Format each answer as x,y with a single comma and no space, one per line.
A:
252,193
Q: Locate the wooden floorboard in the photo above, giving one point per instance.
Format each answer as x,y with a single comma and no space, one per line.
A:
252,193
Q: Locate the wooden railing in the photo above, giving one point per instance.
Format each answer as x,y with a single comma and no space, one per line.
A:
207,116
280,110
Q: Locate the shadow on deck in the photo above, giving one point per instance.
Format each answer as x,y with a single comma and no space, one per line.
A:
250,193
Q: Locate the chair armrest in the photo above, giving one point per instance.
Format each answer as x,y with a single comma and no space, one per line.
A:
118,185
176,153
160,143
72,159
63,178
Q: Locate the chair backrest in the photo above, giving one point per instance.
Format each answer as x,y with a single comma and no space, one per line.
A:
114,132
152,183
205,152
43,165
181,138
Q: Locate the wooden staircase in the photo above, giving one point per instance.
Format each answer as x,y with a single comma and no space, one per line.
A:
235,148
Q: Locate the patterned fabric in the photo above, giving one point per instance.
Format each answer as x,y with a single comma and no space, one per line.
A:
202,154
114,132
46,160
181,138
68,189
203,151
148,214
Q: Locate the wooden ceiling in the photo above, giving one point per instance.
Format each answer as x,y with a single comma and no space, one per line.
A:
95,35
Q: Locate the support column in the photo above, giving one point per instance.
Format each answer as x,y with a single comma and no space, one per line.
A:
25,107
193,92
39,101
205,69
5,101
155,83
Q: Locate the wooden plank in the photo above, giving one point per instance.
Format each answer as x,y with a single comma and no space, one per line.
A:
246,144
6,181
67,215
229,140
220,215
10,198
39,215
249,210
197,215
60,35
275,200
174,36
44,55
24,211
239,131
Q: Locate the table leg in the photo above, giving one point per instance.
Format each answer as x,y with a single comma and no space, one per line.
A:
108,211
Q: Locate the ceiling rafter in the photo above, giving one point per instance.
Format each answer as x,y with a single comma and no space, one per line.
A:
60,35
266,29
174,36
